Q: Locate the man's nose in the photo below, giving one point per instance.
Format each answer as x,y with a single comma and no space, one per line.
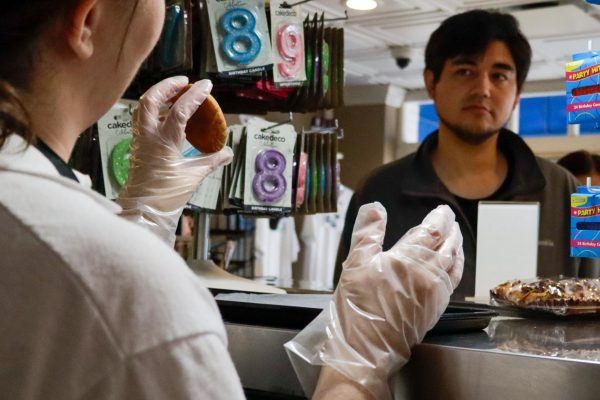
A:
482,85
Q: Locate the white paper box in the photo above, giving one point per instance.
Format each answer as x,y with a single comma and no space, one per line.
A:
507,243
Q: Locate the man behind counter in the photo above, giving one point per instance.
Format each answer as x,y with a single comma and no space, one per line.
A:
475,66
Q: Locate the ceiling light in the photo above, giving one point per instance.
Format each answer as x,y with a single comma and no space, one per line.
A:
362,5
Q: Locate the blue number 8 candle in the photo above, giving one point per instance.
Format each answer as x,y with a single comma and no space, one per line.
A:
241,43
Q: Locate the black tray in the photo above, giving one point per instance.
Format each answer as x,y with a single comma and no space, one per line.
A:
455,319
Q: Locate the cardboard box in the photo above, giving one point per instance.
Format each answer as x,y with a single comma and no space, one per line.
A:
585,222
583,88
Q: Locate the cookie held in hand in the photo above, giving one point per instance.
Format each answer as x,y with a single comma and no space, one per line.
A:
206,130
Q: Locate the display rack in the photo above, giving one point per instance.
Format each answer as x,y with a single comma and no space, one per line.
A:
201,235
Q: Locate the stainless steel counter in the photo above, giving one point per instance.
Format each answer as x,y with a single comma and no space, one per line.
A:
512,359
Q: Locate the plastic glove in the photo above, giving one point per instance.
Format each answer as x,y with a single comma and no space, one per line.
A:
161,181
385,302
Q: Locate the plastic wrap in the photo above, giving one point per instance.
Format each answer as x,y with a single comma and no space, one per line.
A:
287,41
161,180
562,297
385,301
240,35
579,340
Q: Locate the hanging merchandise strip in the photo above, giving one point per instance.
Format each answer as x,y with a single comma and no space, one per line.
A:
302,69
258,61
176,50
582,77
324,66
276,172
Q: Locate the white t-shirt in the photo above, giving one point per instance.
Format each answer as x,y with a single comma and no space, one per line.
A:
275,250
320,238
94,306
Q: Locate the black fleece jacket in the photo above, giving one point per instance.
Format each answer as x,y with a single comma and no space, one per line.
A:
409,189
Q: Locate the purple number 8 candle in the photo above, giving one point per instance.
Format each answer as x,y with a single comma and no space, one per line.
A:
269,184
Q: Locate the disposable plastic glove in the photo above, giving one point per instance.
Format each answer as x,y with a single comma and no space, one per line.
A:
161,180
385,302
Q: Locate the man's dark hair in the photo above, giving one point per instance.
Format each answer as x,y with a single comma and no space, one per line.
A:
470,33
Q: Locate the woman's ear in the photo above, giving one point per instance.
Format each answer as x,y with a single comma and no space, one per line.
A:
81,26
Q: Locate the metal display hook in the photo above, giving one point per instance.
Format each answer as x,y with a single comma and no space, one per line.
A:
332,129
345,18
335,129
591,188
290,120
286,5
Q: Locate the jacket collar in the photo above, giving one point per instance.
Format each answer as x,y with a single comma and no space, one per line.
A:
17,156
525,177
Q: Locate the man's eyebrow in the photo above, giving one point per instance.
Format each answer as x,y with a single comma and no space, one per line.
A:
504,66
466,60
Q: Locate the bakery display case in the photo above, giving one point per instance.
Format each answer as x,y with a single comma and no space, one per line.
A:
512,358
497,358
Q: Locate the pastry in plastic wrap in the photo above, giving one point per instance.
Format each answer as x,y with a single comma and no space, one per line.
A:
571,296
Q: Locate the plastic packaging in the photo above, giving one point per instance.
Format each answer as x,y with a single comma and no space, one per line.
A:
173,50
240,35
161,180
585,221
114,136
287,40
385,301
582,88
562,297
550,338
268,167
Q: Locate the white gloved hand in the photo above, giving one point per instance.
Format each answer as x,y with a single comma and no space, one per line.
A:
161,180
385,302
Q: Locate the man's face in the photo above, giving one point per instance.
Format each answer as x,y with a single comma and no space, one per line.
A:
475,95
